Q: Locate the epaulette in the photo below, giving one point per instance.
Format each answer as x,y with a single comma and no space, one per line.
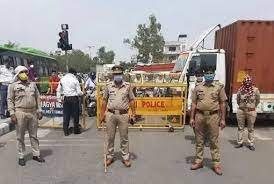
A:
219,84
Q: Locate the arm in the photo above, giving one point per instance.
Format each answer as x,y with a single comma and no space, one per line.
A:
222,102
59,91
38,100
131,101
257,94
193,108
238,98
78,88
10,100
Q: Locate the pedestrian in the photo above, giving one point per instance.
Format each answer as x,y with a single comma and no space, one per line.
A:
68,93
32,75
248,97
117,99
25,110
91,83
6,77
207,114
53,83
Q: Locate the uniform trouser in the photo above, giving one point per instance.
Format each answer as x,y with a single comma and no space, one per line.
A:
3,99
71,108
242,117
112,121
207,126
29,122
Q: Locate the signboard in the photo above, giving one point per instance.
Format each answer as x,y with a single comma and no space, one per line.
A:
50,106
159,106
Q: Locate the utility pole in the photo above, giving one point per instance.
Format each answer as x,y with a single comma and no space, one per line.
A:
90,47
64,42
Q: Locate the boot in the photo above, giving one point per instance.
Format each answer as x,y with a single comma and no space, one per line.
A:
196,166
126,163
22,162
38,159
217,169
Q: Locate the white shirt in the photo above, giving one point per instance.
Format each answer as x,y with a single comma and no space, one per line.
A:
90,83
69,86
6,75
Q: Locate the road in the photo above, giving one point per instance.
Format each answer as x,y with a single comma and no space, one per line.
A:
157,158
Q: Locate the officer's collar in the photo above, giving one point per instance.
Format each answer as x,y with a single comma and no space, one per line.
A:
209,84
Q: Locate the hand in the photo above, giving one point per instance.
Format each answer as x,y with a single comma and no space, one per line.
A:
192,123
13,119
222,124
39,115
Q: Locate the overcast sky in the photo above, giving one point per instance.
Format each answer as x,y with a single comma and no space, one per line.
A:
36,23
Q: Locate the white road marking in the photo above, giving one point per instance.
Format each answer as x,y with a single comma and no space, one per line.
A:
41,133
64,145
263,138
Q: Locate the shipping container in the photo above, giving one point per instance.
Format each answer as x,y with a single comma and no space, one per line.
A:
249,48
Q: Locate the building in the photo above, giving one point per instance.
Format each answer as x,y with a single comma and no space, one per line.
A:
172,49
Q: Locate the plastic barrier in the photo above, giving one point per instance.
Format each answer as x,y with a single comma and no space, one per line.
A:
159,105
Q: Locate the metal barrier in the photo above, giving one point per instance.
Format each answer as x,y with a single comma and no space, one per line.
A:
53,110
158,105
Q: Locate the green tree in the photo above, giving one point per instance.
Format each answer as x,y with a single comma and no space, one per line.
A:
149,41
76,59
11,45
105,57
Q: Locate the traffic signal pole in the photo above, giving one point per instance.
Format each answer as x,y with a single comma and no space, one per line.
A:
66,55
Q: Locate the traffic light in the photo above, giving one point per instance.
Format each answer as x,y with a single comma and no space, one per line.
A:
64,41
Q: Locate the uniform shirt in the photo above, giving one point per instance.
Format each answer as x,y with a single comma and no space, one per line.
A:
251,102
208,96
69,86
6,75
118,98
24,96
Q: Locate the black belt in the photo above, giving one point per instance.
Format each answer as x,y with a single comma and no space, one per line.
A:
207,112
71,98
116,111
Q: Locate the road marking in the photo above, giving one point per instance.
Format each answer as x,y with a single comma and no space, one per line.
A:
41,133
260,137
65,145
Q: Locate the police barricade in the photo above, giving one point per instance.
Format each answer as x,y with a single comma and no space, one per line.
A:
160,104
52,108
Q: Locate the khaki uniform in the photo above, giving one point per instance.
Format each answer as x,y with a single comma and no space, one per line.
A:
247,112
207,118
118,98
24,103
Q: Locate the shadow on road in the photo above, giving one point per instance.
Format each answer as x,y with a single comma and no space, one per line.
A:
233,142
190,138
44,153
118,156
2,144
207,162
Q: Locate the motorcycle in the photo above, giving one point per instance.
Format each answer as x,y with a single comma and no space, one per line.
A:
91,102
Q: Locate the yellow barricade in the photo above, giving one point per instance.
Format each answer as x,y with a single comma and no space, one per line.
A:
163,110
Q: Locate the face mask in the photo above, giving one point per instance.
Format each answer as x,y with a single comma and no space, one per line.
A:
23,76
209,77
199,79
118,78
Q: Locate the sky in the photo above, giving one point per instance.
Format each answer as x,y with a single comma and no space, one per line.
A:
96,23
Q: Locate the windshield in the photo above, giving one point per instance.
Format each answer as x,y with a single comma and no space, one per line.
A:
180,63
202,61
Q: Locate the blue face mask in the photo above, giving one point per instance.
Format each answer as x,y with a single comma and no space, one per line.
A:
118,78
209,77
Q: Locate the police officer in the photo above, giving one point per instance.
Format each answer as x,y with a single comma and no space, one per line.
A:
207,114
25,110
248,97
117,99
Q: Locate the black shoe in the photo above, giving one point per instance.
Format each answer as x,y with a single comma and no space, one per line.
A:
77,132
239,146
66,133
252,148
22,162
38,159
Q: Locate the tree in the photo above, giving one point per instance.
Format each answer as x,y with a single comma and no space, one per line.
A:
149,41
76,59
105,57
11,45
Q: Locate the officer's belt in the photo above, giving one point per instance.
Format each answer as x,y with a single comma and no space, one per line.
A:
207,113
117,111
26,110
247,109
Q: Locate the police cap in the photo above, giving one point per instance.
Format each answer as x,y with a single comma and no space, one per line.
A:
117,69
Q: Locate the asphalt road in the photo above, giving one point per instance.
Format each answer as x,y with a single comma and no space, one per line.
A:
157,158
